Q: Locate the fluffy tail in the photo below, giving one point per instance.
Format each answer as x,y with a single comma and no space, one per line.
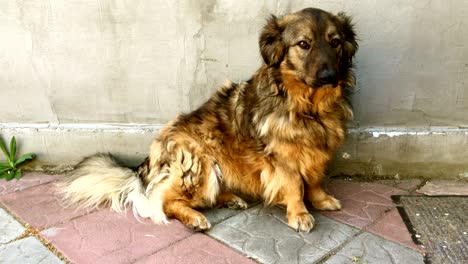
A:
101,180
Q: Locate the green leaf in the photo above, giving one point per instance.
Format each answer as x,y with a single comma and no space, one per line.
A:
10,176
4,165
2,146
12,149
4,170
18,174
25,157
3,175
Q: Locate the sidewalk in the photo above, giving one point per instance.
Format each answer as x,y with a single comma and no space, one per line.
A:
34,228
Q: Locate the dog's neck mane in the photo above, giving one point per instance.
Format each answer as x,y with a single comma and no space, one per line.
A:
302,99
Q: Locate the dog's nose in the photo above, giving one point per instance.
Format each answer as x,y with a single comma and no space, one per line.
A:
327,76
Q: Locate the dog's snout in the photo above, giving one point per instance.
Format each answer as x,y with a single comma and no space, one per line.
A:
327,76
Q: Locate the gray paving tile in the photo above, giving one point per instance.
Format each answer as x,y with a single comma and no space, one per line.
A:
27,250
444,187
9,227
217,215
368,248
262,234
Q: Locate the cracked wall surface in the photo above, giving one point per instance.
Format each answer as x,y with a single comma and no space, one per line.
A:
79,77
143,62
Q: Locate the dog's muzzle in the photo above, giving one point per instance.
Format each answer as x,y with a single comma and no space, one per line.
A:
327,76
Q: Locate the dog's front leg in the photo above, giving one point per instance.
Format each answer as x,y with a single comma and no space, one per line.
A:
321,200
285,187
298,216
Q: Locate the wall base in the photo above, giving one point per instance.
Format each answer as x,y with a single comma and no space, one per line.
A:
439,152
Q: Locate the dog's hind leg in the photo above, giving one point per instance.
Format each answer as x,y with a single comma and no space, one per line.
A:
188,216
192,180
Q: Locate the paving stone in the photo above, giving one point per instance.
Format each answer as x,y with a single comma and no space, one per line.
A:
368,248
408,185
444,187
392,227
27,250
198,249
9,227
217,215
108,237
39,206
362,202
262,234
28,180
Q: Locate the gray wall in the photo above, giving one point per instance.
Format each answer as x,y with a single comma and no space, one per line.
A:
141,62
144,61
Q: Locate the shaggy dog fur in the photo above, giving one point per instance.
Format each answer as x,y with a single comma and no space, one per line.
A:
270,137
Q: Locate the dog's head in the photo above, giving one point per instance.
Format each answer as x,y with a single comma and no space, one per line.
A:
316,46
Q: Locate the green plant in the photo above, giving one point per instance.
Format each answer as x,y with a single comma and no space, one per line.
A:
9,170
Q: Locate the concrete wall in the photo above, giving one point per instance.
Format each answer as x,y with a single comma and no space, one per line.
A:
69,68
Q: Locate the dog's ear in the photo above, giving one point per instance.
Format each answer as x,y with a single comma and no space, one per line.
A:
350,44
271,42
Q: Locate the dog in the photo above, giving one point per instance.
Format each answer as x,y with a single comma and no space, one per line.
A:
270,137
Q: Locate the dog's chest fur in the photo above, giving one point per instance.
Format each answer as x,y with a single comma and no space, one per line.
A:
249,126
293,115
293,124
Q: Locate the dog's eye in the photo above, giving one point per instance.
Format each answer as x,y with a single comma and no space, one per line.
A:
334,43
303,44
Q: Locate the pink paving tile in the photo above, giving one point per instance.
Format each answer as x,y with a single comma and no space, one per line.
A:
392,227
362,202
39,206
108,237
444,187
29,179
198,249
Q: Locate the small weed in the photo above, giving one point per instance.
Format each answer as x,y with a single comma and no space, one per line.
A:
357,259
9,170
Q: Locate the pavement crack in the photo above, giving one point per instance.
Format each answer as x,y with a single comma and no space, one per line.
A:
338,248
392,259
276,248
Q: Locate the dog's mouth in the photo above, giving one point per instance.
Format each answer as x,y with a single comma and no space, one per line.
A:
327,85
321,84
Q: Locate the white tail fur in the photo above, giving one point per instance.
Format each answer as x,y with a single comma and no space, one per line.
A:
100,179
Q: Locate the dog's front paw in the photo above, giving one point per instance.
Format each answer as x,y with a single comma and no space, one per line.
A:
329,203
301,222
198,223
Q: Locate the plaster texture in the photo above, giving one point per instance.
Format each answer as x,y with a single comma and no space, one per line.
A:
72,71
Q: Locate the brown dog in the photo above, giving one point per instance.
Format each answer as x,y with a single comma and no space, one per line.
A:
269,137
